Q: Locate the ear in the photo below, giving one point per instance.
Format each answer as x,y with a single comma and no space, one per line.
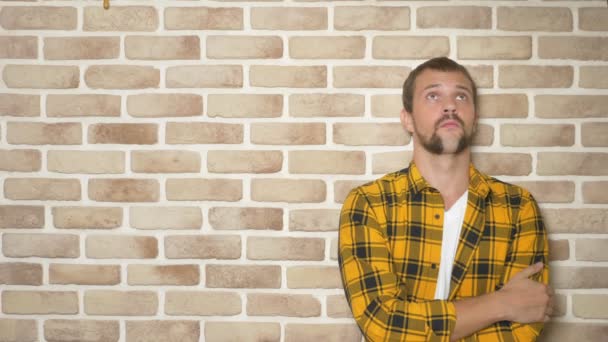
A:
407,121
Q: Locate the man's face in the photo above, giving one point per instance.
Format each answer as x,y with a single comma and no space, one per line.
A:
443,115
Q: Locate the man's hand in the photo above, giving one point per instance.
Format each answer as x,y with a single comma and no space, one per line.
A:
526,300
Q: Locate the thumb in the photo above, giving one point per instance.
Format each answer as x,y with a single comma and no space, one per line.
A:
529,271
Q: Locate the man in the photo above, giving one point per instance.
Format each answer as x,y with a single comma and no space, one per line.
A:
440,251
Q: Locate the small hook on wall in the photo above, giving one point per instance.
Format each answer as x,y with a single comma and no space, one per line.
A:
106,4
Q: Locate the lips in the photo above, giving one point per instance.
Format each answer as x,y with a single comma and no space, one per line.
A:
450,124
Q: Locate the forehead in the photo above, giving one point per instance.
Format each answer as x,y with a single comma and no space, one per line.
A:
437,78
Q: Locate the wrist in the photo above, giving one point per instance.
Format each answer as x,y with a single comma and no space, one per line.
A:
500,305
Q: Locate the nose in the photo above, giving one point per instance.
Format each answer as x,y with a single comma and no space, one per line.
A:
449,106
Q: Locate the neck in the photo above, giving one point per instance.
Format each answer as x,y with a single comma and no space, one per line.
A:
448,173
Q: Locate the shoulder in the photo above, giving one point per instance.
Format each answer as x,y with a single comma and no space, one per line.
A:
513,194
389,183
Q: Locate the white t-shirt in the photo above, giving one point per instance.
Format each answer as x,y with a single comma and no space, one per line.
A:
452,224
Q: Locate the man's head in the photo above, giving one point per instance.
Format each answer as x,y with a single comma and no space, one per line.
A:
439,99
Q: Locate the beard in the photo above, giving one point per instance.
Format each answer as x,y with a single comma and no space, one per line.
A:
435,145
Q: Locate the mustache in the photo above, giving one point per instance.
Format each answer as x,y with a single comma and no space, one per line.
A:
449,117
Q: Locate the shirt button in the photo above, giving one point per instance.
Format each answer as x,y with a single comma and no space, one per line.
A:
434,266
437,216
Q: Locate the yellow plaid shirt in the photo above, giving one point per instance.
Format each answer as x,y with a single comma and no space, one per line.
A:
390,250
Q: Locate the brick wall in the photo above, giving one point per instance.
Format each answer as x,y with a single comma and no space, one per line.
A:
174,170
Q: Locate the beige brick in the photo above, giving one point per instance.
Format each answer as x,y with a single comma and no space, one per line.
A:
42,189
593,18
242,332
121,247
92,162
483,75
337,307
288,76
162,47
579,277
314,220
87,217
59,48
40,245
20,160
196,189
357,134
327,162
369,76
504,47
38,133
120,303
572,47
120,18
204,18
326,105
38,18
165,217
241,47
534,18
593,134
20,273
321,277
19,104
528,76
276,133
322,332
595,192
205,76
572,163
559,250
522,135
267,304
550,191
41,76
243,276
226,218
560,305
510,164
463,17
123,133
289,18
357,18
164,105
327,47
21,216
84,274
484,135
290,248
593,77
82,105
567,220
56,330
124,190
245,105
122,77
18,330
169,161
386,106
21,47
503,106
564,332
159,331
293,190
343,187
590,306
163,275
244,161
203,133
203,247
39,302
385,162
571,106
591,249
199,303
408,47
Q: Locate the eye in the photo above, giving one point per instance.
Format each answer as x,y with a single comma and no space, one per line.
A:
461,97
432,96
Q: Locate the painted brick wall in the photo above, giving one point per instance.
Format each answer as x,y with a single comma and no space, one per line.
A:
173,170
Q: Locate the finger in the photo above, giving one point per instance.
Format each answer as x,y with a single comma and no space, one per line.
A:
529,271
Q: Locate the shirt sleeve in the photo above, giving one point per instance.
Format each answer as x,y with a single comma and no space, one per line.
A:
376,296
529,246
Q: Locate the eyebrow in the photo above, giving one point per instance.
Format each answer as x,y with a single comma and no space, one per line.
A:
468,90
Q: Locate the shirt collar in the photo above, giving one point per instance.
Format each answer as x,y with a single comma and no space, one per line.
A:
478,182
